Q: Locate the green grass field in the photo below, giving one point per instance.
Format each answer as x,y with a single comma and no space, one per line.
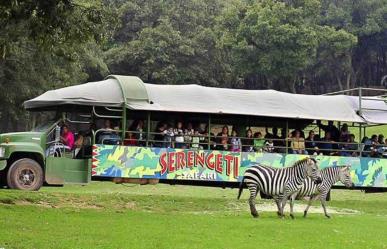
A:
380,129
106,215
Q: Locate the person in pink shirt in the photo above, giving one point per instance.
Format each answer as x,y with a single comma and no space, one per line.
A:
67,137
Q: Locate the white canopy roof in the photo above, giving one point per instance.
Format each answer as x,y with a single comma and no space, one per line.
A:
271,103
101,93
373,109
117,90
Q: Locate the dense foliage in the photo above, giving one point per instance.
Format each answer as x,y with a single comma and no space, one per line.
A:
309,46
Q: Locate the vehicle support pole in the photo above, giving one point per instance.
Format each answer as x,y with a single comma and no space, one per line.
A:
360,113
148,128
123,123
123,133
209,131
286,136
359,139
360,96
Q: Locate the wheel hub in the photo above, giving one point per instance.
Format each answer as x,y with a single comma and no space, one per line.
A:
26,177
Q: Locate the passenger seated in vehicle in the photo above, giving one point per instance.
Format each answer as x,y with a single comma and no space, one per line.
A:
137,129
78,144
106,131
382,149
280,145
222,137
248,142
130,139
311,144
273,137
365,146
259,142
373,147
188,132
66,143
297,143
208,144
67,137
326,144
108,125
196,140
331,128
351,148
168,137
159,134
381,139
89,133
84,140
111,137
344,133
269,146
179,136
236,143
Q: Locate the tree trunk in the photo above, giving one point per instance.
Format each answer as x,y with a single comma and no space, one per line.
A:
349,81
339,81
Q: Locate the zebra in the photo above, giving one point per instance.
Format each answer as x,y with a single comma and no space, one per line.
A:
329,176
279,183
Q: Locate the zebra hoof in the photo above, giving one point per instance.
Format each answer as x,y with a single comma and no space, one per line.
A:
328,216
292,216
279,214
305,213
255,215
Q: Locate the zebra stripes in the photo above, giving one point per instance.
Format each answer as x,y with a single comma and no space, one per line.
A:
329,176
279,183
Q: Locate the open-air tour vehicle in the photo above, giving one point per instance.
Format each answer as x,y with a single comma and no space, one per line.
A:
30,159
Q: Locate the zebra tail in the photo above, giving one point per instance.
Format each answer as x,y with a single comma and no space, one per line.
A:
241,187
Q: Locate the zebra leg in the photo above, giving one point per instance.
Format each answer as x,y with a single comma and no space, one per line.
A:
311,198
278,202
323,204
292,198
253,195
283,204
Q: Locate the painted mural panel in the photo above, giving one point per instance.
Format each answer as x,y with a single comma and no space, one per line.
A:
163,163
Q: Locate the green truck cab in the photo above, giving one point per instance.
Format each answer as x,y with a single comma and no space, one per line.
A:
26,164
26,158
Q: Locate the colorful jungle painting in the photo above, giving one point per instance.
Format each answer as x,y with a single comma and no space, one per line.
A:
211,165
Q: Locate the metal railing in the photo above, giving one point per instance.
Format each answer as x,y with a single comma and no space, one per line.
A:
275,145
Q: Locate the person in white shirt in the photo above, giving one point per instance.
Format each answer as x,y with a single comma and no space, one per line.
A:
179,136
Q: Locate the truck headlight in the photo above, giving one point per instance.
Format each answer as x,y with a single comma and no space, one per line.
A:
2,151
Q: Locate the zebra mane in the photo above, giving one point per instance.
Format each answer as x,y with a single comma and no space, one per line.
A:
296,164
335,167
331,169
302,161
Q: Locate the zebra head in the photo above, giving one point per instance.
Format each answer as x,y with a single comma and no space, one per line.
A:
345,176
313,171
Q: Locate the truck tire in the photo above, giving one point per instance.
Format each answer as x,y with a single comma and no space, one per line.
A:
25,174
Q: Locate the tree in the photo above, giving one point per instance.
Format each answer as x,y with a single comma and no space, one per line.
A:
44,45
168,42
367,20
275,40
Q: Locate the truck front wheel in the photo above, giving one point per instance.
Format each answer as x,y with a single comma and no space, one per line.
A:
25,174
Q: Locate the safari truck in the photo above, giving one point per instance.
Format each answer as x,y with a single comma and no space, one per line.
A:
124,124
25,164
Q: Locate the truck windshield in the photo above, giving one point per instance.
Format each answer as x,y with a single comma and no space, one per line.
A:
42,120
